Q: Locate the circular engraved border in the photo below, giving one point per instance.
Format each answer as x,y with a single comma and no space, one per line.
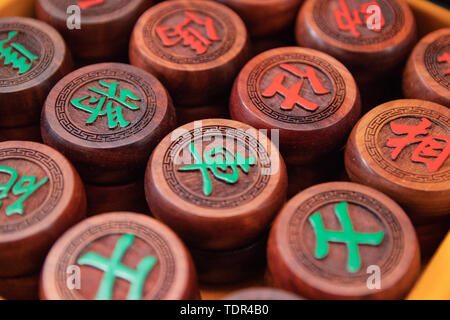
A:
91,12
154,45
153,239
55,194
312,204
323,24
47,46
70,127
335,77
240,135
371,132
429,59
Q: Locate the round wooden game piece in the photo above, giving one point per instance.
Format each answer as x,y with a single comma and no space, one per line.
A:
218,109
427,73
263,18
97,30
106,118
261,293
370,37
342,240
230,266
33,57
430,236
41,195
218,183
20,288
195,47
118,256
402,148
308,96
28,133
128,197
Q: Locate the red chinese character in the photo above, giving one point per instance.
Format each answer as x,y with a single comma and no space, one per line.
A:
190,36
432,150
347,21
443,59
89,3
291,94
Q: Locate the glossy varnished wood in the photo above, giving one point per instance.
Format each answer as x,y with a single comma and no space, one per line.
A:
264,18
200,61
172,276
308,97
56,202
297,259
230,213
33,58
104,149
367,53
427,73
389,150
105,25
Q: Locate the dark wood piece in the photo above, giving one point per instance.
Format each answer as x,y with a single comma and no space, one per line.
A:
304,258
147,246
42,196
105,27
28,133
199,62
129,197
402,149
343,29
233,200
218,109
20,288
231,266
264,18
262,293
33,57
427,73
310,97
106,118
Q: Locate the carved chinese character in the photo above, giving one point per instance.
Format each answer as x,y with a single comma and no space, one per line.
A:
218,165
445,58
26,186
292,94
11,51
431,150
189,32
348,20
84,4
114,113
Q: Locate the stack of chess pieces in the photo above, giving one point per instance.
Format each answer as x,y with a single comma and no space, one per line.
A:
345,68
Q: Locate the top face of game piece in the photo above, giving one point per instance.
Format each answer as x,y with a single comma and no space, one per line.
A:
105,107
214,173
403,148
39,192
119,256
30,53
190,34
299,91
331,237
427,75
363,34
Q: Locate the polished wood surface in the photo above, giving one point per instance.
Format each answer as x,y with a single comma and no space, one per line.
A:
33,58
308,254
141,240
106,118
42,196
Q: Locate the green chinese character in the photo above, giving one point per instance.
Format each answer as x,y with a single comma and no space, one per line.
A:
26,186
11,54
113,268
221,164
348,236
114,113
